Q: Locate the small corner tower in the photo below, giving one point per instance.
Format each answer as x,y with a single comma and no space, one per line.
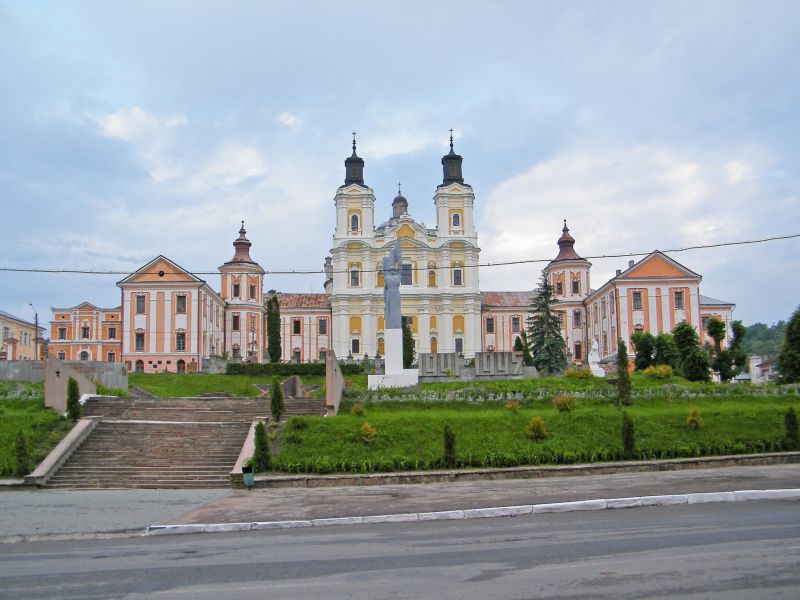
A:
454,199
355,201
242,288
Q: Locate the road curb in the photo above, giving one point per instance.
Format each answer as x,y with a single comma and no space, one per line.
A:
498,511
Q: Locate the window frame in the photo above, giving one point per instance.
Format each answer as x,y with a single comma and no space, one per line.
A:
322,327
682,304
297,327
490,325
138,335
458,277
636,300
180,341
180,304
140,299
236,323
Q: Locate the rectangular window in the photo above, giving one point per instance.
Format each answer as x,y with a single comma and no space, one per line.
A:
514,324
235,290
596,314
576,318
637,300
85,333
62,356
322,355
490,325
576,286
355,347
457,280
180,341
111,357
406,274
140,342
559,288
354,278
296,326
705,323
235,323
139,305
112,333
577,354
252,292
603,307
678,299
459,345
62,333
323,327
180,305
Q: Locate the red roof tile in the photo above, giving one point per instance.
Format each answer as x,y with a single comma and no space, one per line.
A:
289,301
510,299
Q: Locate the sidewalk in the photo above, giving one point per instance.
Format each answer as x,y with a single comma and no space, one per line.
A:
285,504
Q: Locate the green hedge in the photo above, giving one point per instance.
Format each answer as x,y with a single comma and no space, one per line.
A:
287,369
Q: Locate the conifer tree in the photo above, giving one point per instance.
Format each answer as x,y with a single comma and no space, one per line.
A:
623,377
262,458
693,362
408,344
277,405
274,329
73,399
789,357
544,331
526,349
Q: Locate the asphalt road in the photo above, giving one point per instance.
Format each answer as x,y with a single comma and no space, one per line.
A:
726,550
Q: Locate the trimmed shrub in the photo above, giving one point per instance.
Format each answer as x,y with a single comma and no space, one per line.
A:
368,433
262,458
449,439
357,410
623,377
564,402
287,369
790,425
694,421
513,406
658,372
628,436
536,429
73,400
578,373
276,403
22,462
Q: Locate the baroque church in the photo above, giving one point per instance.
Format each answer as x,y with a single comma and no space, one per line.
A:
169,319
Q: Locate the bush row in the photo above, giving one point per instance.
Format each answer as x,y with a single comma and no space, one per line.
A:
287,369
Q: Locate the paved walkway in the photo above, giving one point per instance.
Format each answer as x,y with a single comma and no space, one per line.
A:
47,512
310,503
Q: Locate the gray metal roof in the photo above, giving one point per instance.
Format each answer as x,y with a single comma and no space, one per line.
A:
709,301
10,316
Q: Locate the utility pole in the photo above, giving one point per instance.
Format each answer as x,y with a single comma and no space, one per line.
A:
36,332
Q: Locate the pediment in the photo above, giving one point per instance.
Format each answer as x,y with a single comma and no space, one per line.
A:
161,270
658,265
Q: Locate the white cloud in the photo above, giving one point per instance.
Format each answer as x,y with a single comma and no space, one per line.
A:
288,119
618,200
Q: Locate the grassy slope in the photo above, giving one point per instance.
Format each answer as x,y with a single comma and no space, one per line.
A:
410,436
172,385
43,427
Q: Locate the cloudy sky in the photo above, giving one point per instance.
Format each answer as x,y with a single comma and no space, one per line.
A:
129,130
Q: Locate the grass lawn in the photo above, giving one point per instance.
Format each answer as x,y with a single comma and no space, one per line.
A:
22,408
409,435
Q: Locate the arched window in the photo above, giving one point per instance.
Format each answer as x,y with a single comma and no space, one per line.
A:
456,220
84,355
431,278
181,366
139,366
434,345
354,223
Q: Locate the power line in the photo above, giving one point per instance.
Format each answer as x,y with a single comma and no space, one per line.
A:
362,270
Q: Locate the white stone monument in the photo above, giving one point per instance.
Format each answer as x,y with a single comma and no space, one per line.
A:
394,375
594,361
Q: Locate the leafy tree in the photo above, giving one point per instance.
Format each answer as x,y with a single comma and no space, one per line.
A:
277,405
789,358
544,331
665,351
274,329
22,459
73,399
623,377
408,344
518,345
764,340
645,345
262,458
449,439
526,349
628,436
693,363
730,361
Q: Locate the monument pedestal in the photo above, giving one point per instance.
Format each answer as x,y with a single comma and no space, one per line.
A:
394,373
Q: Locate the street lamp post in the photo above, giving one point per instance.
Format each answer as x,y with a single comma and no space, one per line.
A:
36,332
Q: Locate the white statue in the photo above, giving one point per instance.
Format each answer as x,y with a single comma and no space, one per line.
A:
594,360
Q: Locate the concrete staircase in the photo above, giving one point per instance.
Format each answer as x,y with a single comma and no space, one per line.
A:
160,443
304,406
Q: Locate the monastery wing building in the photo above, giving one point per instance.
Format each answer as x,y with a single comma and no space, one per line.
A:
171,320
